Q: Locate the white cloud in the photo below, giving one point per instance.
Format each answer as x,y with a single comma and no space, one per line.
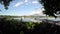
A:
18,4
26,0
39,12
34,2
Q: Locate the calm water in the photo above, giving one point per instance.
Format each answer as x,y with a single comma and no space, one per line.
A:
27,19
37,19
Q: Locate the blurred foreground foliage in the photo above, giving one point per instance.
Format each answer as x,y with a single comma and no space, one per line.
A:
5,3
52,7
18,27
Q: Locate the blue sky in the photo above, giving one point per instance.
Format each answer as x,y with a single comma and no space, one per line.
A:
22,7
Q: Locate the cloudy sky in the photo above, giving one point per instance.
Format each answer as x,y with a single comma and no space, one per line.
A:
22,7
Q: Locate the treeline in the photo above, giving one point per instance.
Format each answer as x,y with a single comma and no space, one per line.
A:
19,27
9,16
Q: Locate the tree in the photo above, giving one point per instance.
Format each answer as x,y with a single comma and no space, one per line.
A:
5,3
52,7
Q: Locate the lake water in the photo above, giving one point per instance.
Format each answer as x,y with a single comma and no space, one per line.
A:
53,19
37,19
27,19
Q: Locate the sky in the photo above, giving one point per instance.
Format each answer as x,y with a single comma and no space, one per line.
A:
22,7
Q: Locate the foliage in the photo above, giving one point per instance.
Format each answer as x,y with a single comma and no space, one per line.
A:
52,7
30,25
21,32
5,3
17,27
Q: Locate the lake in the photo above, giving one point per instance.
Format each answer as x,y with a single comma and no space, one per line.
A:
37,19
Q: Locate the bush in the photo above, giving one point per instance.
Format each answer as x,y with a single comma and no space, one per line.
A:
18,27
